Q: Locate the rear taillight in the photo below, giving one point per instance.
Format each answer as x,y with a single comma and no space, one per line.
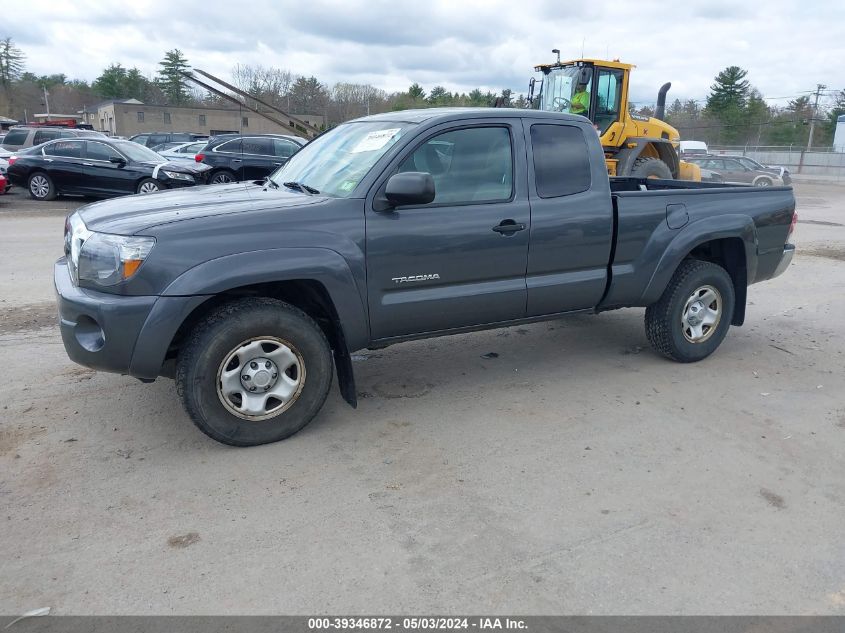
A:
792,225
12,160
199,157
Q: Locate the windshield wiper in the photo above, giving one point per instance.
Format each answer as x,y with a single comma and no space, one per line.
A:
271,182
301,186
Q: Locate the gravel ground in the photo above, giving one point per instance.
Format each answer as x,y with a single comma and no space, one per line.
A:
576,472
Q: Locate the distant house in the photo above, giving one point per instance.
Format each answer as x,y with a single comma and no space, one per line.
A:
127,117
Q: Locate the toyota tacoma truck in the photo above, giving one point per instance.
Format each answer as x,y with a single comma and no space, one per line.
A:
393,227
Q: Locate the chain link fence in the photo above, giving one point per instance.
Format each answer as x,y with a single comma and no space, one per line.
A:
818,163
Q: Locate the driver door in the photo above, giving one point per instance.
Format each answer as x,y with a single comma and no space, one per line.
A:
459,261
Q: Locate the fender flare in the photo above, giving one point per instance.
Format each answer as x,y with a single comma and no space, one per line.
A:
223,274
696,234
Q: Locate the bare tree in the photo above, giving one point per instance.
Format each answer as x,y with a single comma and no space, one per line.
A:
268,84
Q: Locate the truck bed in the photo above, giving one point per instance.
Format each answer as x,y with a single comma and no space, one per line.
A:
661,220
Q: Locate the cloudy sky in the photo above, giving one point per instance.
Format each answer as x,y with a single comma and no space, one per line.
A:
787,46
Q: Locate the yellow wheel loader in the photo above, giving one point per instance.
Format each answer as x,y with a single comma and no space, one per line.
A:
634,145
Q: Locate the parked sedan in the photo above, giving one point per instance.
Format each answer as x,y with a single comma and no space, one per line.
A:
234,157
783,172
102,168
182,151
733,172
4,184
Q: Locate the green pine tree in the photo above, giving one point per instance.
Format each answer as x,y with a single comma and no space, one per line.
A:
170,78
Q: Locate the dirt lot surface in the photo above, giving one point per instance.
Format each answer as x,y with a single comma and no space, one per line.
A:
575,472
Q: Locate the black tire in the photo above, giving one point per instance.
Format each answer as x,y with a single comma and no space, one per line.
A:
146,186
664,324
34,183
221,177
651,168
232,327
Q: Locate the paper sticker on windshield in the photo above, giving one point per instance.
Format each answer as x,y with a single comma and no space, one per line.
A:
347,185
375,140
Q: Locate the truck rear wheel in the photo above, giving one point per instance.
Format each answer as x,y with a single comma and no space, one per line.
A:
692,317
651,168
254,371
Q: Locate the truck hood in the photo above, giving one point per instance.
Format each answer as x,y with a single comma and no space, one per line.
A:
134,214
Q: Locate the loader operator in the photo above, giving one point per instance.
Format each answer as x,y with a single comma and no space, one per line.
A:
580,102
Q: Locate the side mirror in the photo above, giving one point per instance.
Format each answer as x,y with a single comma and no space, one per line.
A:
410,187
117,160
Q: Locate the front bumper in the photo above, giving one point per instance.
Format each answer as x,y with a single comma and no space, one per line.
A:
785,260
117,333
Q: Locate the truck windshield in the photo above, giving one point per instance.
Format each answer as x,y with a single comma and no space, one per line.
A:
336,162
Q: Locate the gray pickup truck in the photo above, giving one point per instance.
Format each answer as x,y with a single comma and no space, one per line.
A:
394,227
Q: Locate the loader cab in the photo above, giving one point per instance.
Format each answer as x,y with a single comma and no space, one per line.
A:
605,84
629,140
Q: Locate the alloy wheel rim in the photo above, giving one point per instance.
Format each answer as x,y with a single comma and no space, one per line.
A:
221,179
260,378
148,187
701,314
39,186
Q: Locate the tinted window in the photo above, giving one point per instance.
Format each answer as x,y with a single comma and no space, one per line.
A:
181,138
156,139
141,139
261,146
230,146
285,149
101,151
65,149
561,160
16,137
472,165
734,165
42,136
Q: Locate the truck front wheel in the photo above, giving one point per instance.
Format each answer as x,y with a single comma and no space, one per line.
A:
254,371
692,317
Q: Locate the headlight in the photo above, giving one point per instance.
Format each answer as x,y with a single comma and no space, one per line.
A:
176,175
102,258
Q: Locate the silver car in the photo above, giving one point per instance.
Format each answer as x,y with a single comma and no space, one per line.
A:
182,151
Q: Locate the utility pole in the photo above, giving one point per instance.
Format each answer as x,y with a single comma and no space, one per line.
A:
819,88
47,103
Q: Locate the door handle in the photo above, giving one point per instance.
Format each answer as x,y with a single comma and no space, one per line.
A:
277,163
236,160
508,227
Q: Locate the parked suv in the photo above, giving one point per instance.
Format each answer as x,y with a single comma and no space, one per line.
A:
151,139
236,157
21,137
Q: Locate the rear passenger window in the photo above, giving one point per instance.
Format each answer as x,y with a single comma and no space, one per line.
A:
233,147
471,165
561,160
259,146
65,149
42,136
